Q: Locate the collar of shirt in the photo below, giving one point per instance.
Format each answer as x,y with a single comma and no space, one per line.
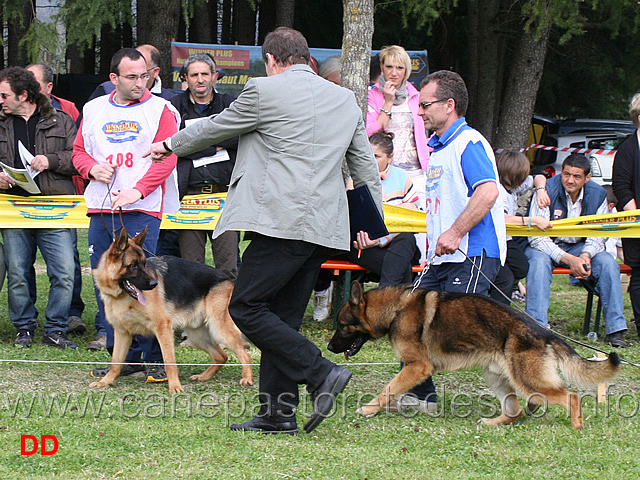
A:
574,209
438,143
145,96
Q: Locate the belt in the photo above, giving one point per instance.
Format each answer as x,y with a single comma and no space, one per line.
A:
213,188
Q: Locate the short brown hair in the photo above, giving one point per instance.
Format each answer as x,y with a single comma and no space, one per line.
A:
288,47
513,168
450,85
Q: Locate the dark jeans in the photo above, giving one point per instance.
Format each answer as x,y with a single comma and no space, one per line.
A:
634,294
268,302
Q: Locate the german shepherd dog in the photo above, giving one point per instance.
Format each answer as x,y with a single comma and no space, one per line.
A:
155,295
432,331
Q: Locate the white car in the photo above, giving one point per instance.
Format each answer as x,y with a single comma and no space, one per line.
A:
549,163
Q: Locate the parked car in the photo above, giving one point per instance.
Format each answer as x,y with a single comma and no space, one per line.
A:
583,133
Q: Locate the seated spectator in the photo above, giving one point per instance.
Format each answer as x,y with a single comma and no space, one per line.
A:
390,257
573,194
513,170
330,69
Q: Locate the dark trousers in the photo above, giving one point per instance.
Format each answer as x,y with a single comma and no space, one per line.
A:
391,263
268,302
224,249
634,294
515,268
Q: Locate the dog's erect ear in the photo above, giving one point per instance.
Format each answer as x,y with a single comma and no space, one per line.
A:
122,242
356,293
141,236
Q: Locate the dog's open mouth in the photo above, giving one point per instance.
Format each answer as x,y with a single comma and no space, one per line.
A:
354,348
134,292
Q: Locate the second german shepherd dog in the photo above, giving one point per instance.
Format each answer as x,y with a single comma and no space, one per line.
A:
432,331
154,295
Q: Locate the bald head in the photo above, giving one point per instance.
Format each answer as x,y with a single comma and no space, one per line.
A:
153,58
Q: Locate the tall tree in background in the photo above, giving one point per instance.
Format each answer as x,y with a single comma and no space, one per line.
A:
157,22
356,48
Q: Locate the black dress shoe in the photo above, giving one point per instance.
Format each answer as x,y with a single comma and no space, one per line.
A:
325,396
267,425
616,339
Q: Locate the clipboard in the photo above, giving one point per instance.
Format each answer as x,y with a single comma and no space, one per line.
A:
364,215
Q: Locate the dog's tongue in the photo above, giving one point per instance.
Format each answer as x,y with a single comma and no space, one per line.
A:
346,355
141,298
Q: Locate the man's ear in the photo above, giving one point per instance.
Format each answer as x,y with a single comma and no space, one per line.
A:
589,176
114,78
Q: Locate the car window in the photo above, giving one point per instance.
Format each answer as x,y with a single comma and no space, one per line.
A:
605,143
577,145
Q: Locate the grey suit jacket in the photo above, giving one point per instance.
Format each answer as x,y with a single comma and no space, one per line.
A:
295,129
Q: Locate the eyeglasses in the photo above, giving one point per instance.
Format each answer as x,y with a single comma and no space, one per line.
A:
149,70
426,105
4,96
134,78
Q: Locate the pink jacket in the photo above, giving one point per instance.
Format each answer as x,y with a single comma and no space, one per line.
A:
376,100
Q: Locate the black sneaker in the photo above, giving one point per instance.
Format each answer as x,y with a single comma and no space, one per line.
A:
24,339
126,371
58,339
155,373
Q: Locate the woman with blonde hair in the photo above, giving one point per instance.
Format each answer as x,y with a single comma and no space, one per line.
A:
393,107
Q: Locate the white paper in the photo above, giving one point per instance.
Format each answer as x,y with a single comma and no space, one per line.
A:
21,177
220,156
27,158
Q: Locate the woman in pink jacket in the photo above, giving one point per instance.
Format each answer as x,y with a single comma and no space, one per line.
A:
393,107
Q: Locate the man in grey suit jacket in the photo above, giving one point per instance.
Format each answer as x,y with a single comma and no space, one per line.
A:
287,189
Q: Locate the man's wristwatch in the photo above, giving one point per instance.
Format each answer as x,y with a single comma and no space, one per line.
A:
166,147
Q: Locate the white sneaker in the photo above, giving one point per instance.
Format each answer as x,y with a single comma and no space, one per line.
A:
322,304
406,401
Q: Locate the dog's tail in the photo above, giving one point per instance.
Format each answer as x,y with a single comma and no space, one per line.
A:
582,371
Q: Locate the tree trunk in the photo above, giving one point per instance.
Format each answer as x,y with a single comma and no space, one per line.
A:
158,25
244,23
356,48
267,21
522,88
285,12
16,53
81,61
486,96
203,27
228,12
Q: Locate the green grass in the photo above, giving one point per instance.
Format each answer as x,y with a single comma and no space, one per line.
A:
135,430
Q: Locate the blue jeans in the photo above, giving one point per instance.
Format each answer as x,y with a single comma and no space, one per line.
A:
100,237
56,246
604,268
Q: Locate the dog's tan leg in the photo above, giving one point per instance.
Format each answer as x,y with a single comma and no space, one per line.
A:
511,410
411,375
239,348
164,333
218,357
121,344
570,401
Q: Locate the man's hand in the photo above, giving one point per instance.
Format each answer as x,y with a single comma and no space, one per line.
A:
448,242
39,163
363,241
5,182
102,172
125,197
578,264
158,152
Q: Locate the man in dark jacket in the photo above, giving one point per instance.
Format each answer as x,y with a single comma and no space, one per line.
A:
27,117
208,170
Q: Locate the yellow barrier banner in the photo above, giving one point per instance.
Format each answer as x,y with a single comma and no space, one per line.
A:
620,224
197,212
201,212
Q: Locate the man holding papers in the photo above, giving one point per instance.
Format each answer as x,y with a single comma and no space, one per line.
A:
47,134
207,170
